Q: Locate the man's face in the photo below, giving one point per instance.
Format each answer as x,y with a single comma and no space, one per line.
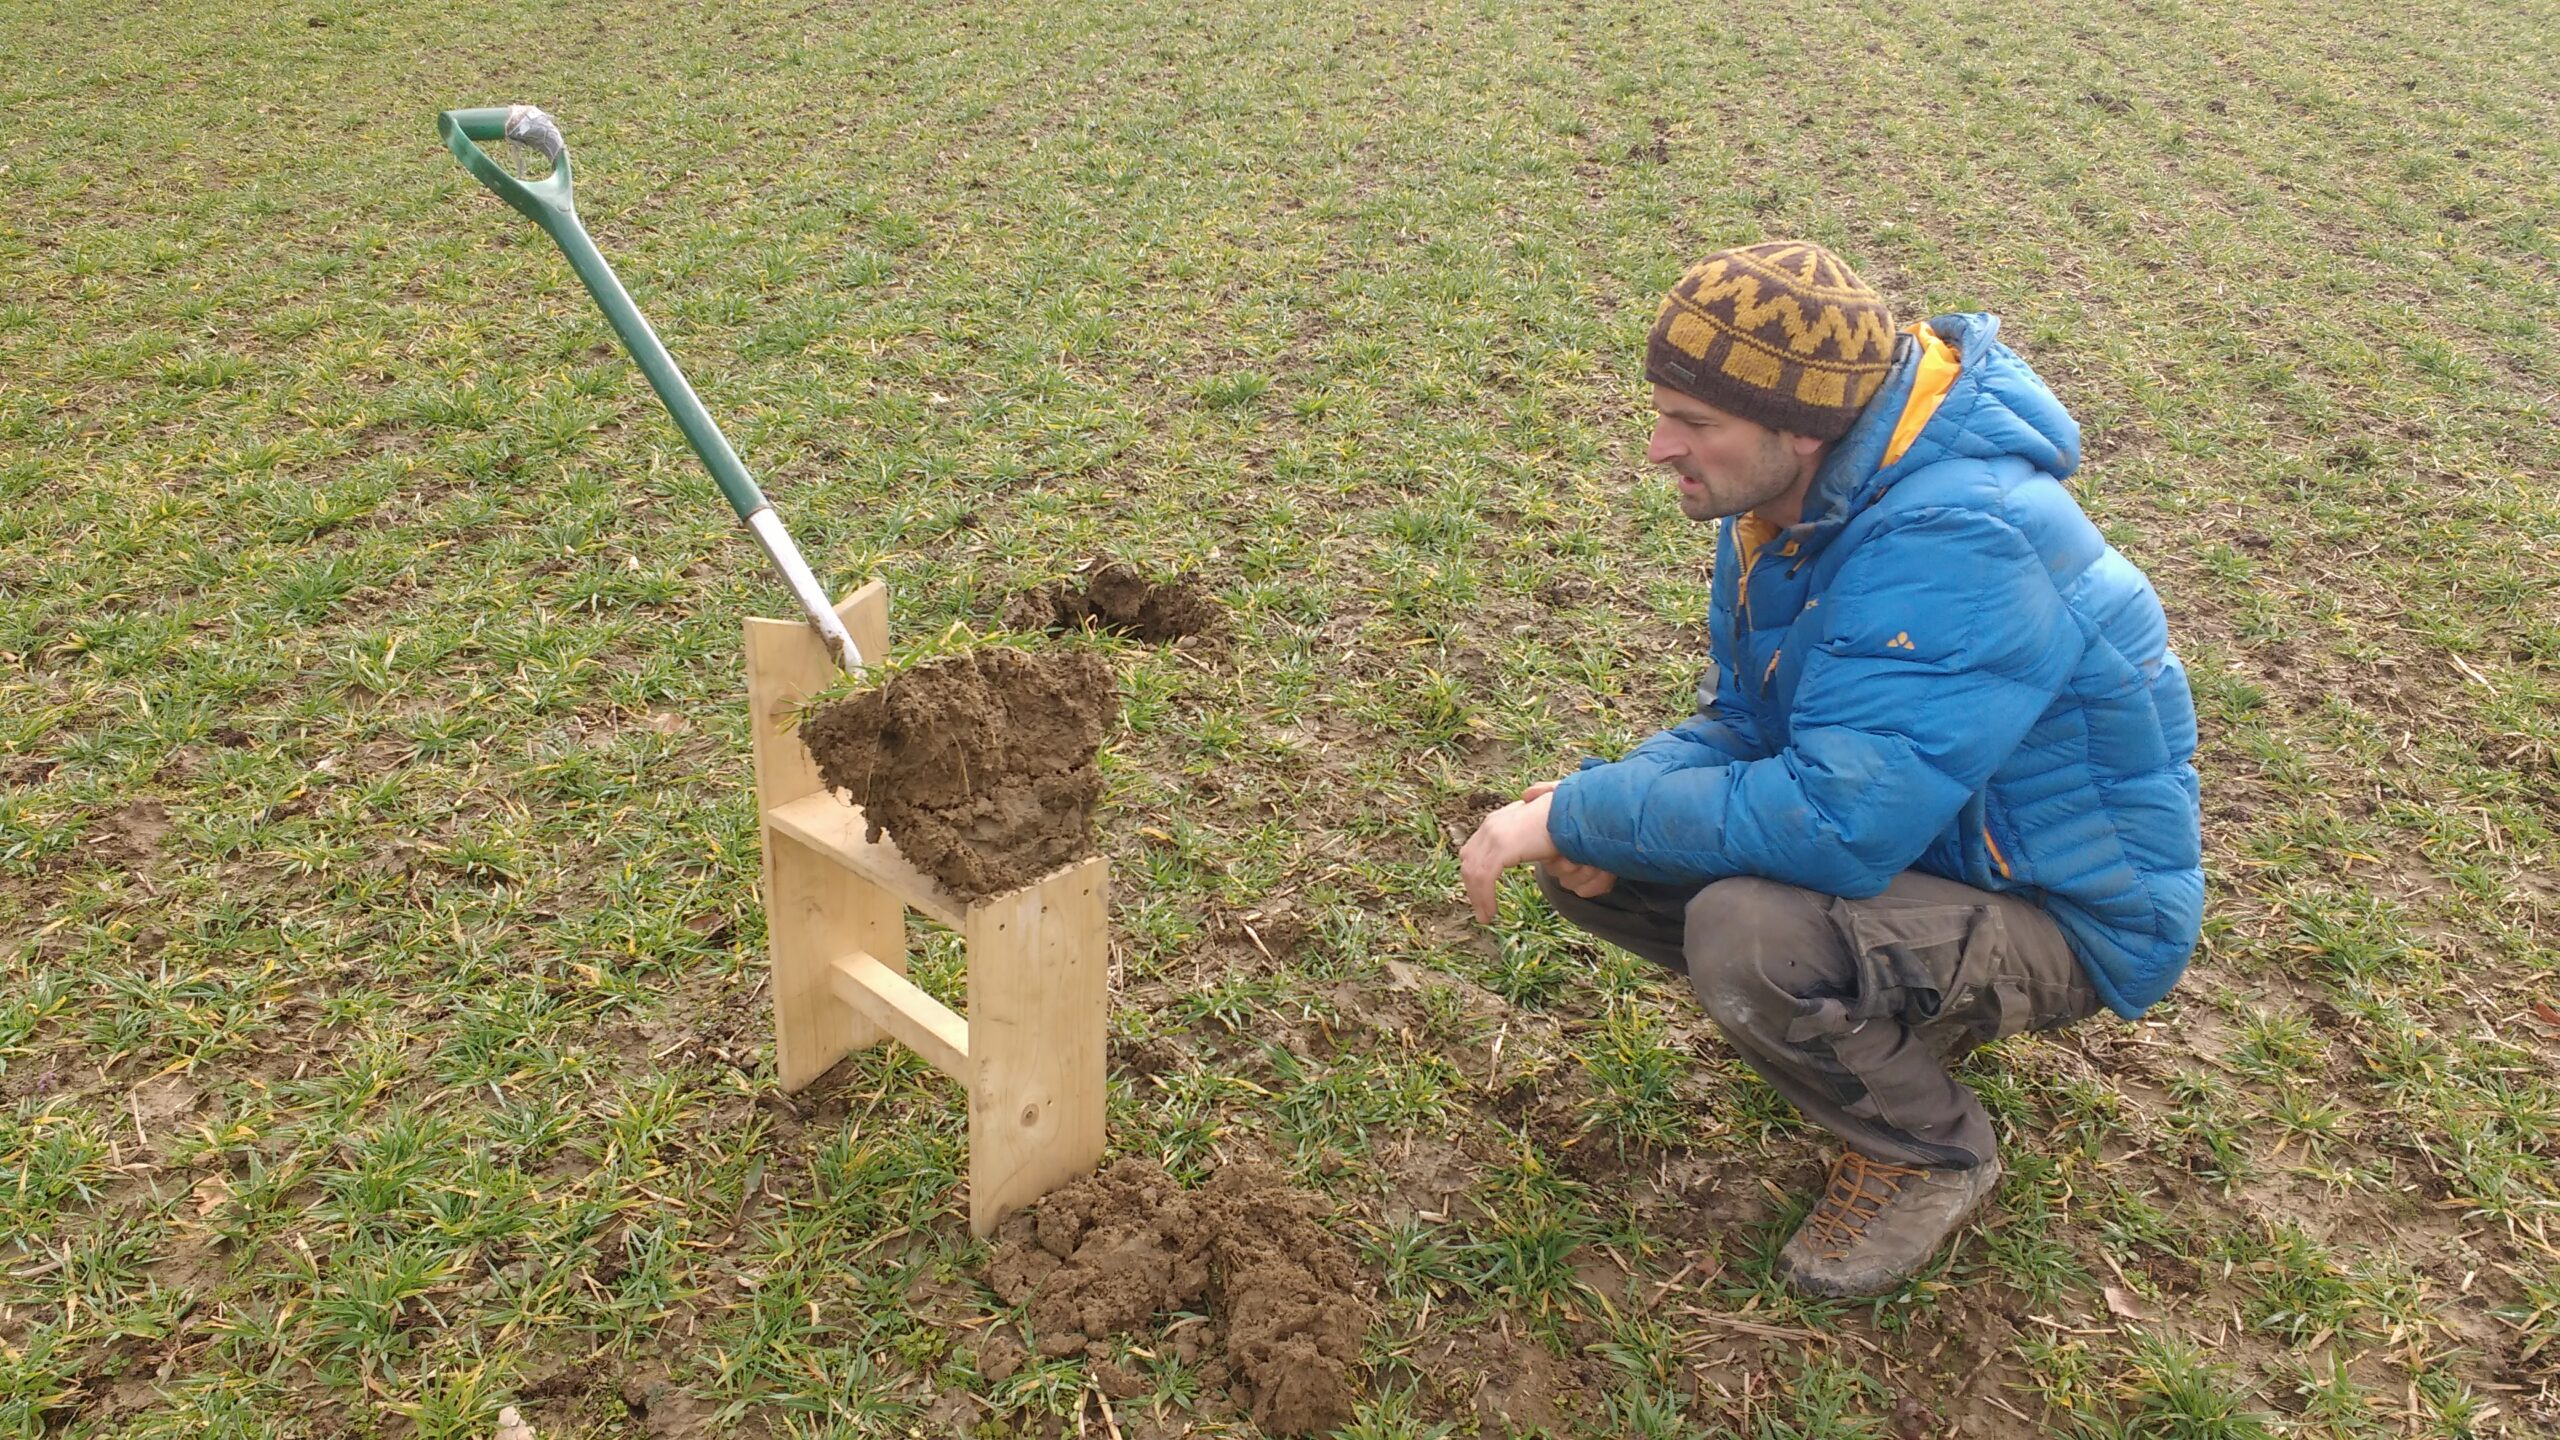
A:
1725,464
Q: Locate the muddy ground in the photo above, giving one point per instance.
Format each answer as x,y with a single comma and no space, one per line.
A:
1114,1254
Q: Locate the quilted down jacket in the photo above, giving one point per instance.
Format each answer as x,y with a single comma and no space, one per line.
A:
1942,666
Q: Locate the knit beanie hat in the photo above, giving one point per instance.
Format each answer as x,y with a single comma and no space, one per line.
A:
1782,333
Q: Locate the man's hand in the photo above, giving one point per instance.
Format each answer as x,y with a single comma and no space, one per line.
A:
1588,881
1512,835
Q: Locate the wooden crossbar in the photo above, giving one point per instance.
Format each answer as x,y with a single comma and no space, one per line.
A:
912,1018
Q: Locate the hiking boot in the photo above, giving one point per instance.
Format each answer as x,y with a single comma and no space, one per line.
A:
1878,1224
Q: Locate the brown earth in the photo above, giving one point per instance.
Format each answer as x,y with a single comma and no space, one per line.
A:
980,766
1116,598
130,838
1107,1254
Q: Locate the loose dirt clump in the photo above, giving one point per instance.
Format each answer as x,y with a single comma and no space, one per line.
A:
1118,599
1105,1255
980,766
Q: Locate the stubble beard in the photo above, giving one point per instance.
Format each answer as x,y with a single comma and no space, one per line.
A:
1767,480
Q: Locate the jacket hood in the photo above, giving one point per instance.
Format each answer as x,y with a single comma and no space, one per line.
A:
1991,404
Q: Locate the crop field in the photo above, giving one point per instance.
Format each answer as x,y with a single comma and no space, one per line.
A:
384,1035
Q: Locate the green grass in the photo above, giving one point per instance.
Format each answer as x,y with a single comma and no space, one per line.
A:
381,1030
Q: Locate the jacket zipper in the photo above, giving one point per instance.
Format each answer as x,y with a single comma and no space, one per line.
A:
1750,558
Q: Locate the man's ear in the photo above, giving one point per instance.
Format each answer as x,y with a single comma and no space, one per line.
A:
1802,446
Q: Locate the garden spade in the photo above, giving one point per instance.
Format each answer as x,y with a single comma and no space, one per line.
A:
547,203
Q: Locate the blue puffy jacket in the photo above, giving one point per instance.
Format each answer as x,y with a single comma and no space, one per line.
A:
1942,667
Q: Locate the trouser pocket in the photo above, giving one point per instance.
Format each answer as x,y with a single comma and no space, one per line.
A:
1931,965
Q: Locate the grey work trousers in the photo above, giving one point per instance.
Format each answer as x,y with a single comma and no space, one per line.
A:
1853,1009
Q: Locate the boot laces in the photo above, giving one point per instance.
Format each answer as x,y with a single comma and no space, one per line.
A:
1859,1190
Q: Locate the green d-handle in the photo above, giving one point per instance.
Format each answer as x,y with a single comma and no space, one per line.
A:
547,202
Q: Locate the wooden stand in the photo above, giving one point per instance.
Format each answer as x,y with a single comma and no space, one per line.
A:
1030,1053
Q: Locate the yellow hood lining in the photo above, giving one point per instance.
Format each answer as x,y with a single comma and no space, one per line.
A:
1938,367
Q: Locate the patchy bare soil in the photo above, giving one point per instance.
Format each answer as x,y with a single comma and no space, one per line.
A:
980,766
1108,1254
131,837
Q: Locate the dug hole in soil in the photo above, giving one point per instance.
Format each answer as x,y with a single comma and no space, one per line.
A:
1117,599
979,766
1105,1255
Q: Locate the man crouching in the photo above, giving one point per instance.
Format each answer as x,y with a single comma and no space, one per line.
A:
1938,788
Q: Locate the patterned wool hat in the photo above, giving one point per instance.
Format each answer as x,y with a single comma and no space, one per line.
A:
1782,332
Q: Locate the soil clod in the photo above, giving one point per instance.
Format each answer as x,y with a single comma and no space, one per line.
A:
1117,599
1107,1254
979,766
1000,1358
